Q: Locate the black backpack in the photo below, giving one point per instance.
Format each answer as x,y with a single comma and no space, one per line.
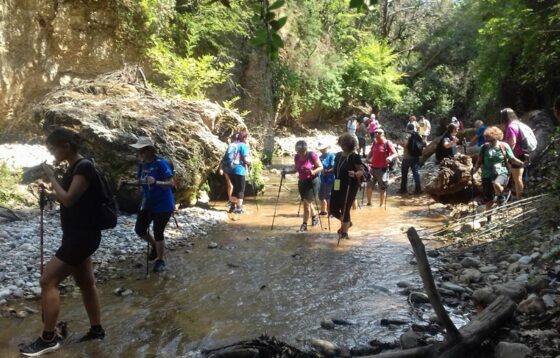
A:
415,145
107,203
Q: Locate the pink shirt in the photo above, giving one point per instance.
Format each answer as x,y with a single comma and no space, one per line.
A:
379,155
513,131
373,126
304,164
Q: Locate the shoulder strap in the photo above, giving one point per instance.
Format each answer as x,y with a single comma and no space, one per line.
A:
76,164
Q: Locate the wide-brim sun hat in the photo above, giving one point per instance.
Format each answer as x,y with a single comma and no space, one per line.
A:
322,145
143,142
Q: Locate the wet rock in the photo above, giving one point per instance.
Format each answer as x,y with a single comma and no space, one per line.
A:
213,245
532,305
364,350
393,321
538,283
514,290
470,227
126,292
418,297
432,253
483,296
513,258
512,350
327,324
410,339
453,287
30,310
5,293
470,262
343,322
514,267
523,278
327,348
403,284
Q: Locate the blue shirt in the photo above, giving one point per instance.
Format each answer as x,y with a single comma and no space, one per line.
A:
328,163
480,135
158,199
242,152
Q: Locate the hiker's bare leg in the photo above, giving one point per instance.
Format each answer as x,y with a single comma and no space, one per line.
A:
306,210
85,279
55,272
229,186
517,176
381,197
323,205
369,194
160,248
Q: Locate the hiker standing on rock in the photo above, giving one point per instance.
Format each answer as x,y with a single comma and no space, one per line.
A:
348,172
424,128
308,166
78,195
495,157
381,154
327,176
156,178
447,146
241,163
513,137
411,160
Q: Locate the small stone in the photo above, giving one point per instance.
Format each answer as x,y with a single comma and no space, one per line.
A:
524,260
327,324
469,262
538,283
327,348
403,284
549,301
410,339
453,287
5,293
18,293
488,269
514,290
532,305
513,258
432,253
483,296
22,314
471,275
418,297
523,278
535,255
213,245
514,267
512,350
30,310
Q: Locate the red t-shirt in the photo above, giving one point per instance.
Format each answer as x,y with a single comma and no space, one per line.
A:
379,155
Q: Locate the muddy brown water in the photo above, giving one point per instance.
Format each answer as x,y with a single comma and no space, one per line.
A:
258,281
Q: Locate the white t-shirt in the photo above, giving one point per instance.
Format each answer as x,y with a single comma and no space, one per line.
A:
351,126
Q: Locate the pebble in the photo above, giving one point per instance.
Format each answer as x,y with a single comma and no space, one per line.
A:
532,305
213,245
549,301
469,262
453,287
488,269
512,350
483,296
418,297
524,260
327,324
410,339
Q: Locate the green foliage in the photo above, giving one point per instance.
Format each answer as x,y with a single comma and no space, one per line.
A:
267,35
372,75
9,181
256,175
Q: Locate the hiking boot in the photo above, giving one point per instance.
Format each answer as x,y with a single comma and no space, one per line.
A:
93,333
159,266
303,227
153,253
40,347
238,211
315,221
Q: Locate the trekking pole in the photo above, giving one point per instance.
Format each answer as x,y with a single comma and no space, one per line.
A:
387,189
42,204
343,212
276,205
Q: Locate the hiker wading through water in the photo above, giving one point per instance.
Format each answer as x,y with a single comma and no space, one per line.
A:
494,158
241,164
348,171
78,195
381,154
327,176
411,160
156,178
308,166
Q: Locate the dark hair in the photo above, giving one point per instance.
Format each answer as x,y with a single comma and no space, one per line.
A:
347,140
507,115
451,127
61,136
301,145
242,135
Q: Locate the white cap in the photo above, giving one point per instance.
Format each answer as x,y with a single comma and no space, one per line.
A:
143,142
322,145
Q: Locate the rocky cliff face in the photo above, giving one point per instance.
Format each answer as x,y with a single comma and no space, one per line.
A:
45,43
111,111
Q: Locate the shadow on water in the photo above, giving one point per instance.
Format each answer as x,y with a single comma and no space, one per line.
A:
257,281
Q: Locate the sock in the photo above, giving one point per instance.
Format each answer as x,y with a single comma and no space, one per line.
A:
47,336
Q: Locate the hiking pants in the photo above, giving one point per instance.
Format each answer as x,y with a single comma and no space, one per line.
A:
410,163
145,218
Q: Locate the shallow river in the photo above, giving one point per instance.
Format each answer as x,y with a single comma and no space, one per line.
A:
258,281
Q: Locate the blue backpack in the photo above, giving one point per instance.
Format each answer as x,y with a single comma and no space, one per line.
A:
231,157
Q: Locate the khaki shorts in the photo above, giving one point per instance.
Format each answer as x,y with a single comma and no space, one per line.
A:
501,179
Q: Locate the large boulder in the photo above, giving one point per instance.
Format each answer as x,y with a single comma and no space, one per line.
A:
454,176
111,112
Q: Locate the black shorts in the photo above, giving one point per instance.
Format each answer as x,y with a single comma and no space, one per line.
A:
338,199
145,217
78,246
309,189
238,182
515,166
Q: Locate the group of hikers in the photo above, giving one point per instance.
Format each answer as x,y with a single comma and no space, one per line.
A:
333,178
